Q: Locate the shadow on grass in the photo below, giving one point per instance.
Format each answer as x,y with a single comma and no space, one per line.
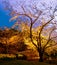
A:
14,61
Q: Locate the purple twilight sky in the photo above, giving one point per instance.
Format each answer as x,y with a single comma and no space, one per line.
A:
4,18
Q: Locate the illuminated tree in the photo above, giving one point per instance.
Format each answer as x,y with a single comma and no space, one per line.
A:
43,31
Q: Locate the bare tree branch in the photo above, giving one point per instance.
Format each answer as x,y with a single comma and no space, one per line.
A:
49,38
31,34
42,30
53,37
23,9
50,46
40,12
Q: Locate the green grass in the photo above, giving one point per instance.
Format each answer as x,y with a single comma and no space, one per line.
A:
21,62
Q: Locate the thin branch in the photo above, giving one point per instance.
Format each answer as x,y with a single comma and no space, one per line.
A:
45,25
41,31
40,12
32,15
53,37
50,46
48,39
23,9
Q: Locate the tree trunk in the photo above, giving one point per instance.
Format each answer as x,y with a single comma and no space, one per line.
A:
6,47
16,56
41,57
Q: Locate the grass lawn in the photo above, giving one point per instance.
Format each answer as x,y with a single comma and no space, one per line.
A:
21,62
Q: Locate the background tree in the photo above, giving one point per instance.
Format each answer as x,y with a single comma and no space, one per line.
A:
12,39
